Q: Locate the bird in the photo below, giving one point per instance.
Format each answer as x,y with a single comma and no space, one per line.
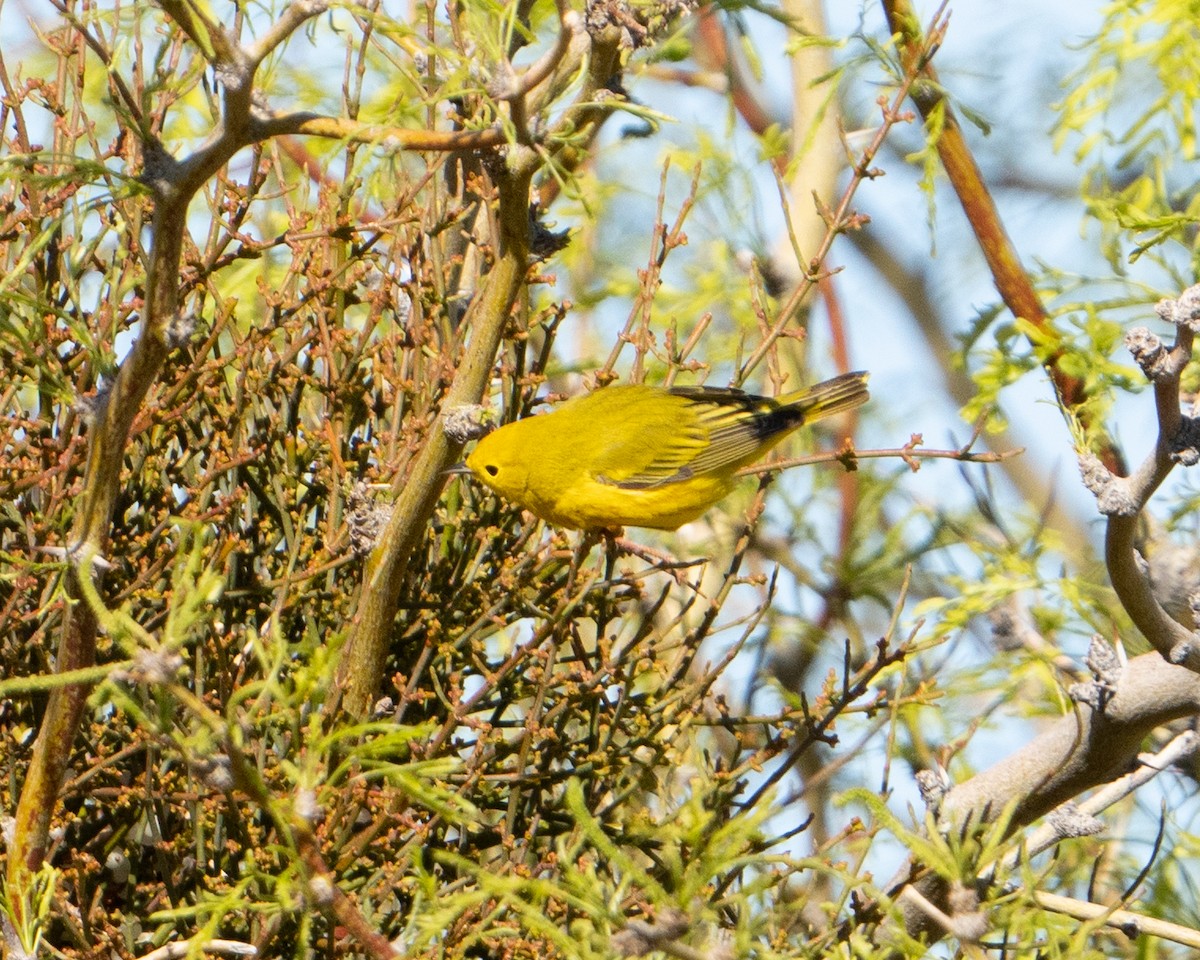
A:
644,456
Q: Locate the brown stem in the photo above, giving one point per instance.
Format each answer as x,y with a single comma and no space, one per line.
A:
1012,281
324,893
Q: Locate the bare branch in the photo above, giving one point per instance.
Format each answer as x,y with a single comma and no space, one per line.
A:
366,648
209,36
1149,766
404,138
909,453
1081,750
1133,924
1078,752
294,15
182,948
571,28
1122,499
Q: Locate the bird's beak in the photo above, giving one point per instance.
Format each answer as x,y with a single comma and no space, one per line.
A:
459,469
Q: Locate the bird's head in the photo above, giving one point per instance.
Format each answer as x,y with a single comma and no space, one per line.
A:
502,463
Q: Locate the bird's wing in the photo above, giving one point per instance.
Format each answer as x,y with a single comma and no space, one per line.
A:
633,462
710,430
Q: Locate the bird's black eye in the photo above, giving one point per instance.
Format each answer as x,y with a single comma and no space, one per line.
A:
492,469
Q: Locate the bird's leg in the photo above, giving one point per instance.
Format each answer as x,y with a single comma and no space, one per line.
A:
612,540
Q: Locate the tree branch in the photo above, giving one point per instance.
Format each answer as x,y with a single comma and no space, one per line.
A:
1090,747
108,425
403,138
364,657
1011,279
1122,499
1133,924
1096,744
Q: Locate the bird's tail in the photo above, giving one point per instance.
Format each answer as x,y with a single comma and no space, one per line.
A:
828,397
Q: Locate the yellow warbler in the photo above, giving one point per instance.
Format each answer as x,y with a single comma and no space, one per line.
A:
643,456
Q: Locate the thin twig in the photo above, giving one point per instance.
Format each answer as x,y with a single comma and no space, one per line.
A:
908,453
1130,923
182,948
840,219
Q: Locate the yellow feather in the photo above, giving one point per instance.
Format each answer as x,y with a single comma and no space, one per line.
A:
642,456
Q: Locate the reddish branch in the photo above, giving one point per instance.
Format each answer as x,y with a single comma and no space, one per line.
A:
1012,280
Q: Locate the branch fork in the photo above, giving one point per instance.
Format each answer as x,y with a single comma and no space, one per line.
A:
1122,499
